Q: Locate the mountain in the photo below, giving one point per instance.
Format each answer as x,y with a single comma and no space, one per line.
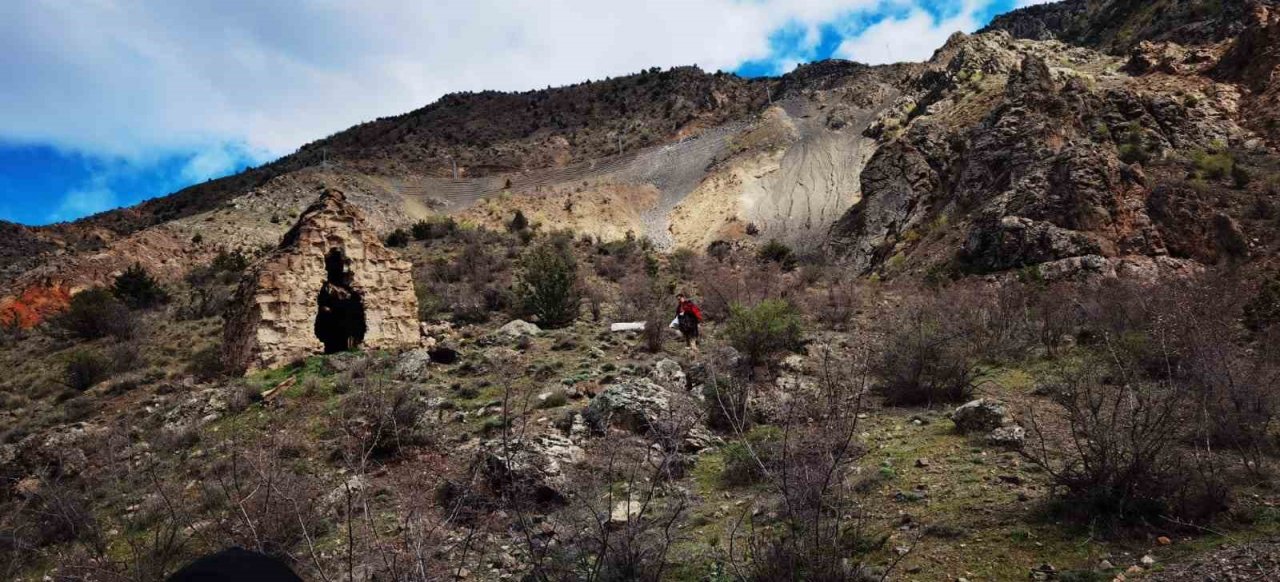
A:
1117,26
1061,135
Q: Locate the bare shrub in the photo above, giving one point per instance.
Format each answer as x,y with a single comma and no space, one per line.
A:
85,368
623,523
260,504
203,302
749,460
470,287
1120,456
924,357
239,397
1263,309
381,420
835,304
997,323
436,227
643,298
681,261
206,364
821,531
722,285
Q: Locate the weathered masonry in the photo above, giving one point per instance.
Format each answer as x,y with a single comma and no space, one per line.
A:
330,286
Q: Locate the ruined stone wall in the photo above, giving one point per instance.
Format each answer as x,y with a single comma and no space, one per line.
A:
271,319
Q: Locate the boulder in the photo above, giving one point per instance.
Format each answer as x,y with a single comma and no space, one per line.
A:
413,365
699,439
533,467
625,511
1007,436
981,415
670,375
723,361
59,451
633,403
519,328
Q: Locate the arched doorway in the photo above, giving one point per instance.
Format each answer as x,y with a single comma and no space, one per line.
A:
340,315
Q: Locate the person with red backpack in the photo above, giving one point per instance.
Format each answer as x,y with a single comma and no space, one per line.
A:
688,317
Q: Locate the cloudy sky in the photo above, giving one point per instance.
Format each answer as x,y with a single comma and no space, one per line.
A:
109,102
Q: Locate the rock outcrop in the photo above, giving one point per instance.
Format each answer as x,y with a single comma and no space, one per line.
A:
636,404
330,286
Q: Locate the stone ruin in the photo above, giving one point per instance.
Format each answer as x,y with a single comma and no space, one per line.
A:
330,286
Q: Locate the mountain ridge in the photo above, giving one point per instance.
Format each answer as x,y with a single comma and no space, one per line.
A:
484,136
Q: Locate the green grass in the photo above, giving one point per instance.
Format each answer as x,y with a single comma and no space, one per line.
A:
312,366
706,473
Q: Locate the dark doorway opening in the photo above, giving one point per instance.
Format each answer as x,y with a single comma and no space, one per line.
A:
340,319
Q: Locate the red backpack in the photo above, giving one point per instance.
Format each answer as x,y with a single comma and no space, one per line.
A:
691,307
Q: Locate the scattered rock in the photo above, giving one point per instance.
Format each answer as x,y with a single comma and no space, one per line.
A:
633,403
1007,436
698,439
668,373
338,496
1044,572
413,365
1164,541
922,463
58,451
1148,560
519,328
982,415
533,467
28,487
793,363
909,496
624,511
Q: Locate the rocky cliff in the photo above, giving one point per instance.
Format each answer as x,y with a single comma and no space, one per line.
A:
1036,153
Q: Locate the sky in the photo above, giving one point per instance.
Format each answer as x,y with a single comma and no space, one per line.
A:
106,103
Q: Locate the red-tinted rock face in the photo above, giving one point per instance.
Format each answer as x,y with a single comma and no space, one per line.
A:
34,304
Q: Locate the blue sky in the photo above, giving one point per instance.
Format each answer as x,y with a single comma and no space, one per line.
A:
111,102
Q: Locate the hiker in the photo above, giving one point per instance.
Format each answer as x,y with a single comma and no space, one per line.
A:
688,316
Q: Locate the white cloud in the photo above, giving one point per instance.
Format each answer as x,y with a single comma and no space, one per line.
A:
90,199
125,77
216,161
912,37
129,78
